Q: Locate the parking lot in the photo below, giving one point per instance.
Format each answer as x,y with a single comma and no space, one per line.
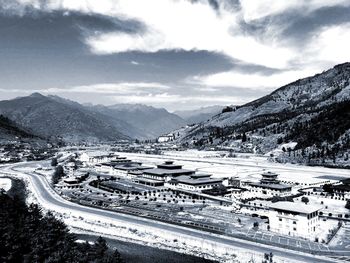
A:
285,241
342,240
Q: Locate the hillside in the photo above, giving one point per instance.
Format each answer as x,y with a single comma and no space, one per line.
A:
199,115
50,117
313,113
104,114
148,122
53,116
10,131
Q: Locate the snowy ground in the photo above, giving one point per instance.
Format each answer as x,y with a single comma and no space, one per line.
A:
5,183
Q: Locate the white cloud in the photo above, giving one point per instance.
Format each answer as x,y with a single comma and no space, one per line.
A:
256,9
176,102
112,88
251,81
187,25
179,24
332,44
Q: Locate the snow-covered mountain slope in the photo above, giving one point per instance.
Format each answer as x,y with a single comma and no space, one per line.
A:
310,108
317,91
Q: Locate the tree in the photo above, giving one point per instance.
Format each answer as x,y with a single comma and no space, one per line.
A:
227,109
305,200
54,162
347,205
58,174
244,137
328,188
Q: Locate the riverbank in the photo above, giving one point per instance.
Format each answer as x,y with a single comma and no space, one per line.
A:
135,253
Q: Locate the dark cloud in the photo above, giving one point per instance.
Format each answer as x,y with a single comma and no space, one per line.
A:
301,27
48,50
214,4
298,26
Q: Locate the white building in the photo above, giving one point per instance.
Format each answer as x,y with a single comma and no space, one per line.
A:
85,158
166,138
294,219
194,182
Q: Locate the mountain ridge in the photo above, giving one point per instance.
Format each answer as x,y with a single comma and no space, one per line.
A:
49,117
54,116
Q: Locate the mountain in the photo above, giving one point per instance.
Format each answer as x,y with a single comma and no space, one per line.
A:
104,114
148,122
51,116
199,115
10,130
313,113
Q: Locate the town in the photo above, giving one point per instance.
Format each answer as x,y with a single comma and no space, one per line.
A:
307,215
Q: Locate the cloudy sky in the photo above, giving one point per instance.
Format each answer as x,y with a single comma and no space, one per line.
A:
177,54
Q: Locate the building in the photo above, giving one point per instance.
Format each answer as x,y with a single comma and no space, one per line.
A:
85,158
269,185
127,168
117,166
166,138
166,171
194,182
234,182
294,219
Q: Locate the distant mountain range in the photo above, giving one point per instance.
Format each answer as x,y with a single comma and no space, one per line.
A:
144,122
199,115
313,112
53,116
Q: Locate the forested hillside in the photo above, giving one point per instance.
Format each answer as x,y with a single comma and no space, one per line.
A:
9,130
306,121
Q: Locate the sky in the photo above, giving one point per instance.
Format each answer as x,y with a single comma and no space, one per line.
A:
176,54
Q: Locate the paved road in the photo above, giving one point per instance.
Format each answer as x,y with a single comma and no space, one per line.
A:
50,198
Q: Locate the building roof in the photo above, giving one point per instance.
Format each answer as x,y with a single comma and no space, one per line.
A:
269,174
295,207
165,172
193,181
71,180
130,167
272,186
197,176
